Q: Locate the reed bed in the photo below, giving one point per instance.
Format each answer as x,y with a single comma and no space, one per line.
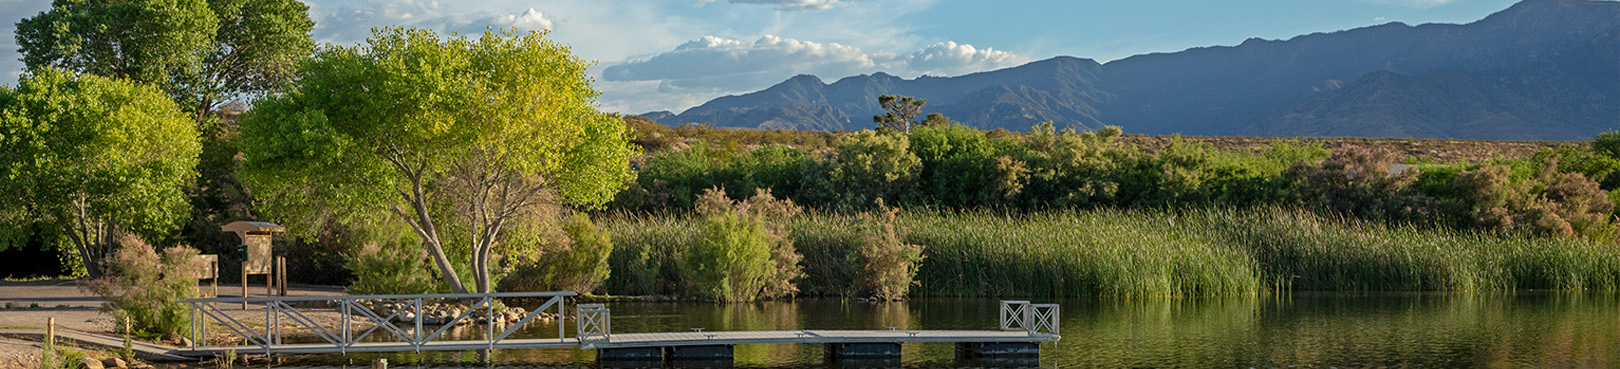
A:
1148,253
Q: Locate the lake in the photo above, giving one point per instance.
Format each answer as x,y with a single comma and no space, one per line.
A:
1319,330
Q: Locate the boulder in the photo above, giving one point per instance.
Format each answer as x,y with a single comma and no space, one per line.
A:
88,363
114,363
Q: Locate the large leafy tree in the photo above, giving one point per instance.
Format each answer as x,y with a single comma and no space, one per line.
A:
85,158
203,53
465,139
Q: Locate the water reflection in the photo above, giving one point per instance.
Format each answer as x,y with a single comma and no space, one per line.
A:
1528,329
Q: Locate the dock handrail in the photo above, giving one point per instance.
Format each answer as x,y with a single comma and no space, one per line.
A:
594,321
278,307
1037,319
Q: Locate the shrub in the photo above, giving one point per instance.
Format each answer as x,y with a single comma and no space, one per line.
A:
888,265
581,266
729,233
730,259
147,288
391,267
869,165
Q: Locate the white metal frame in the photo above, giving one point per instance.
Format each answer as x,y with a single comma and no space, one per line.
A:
594,324
1037,319
344,339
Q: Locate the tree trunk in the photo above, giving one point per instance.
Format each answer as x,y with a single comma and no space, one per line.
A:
81,245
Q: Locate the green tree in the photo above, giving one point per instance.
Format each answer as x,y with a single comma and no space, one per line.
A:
462,138
1607,144
91,157
902,112
203,53
866,166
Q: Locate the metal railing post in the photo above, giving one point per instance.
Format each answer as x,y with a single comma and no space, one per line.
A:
418,343
489,321
344,347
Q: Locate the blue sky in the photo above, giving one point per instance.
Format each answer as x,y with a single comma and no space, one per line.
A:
675,54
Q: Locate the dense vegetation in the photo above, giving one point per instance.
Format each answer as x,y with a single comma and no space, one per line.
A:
1217,251
418,163
1567,190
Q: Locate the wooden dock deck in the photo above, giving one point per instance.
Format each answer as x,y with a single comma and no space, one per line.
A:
1023,326
671,339
643,340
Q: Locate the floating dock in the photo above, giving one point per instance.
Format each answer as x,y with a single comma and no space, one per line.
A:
1023,327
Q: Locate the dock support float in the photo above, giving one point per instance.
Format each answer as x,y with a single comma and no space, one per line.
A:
673,353
864,350
971,350
631,353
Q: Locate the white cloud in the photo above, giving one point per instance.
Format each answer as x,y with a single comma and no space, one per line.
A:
1412,3
347,22
713,66
796,5
529,20
948,58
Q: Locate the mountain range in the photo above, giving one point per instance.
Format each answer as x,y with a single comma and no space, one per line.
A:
1539,70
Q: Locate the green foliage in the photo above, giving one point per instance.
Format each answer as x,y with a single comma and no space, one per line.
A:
581,266
203,53
957,167
725,261
867,166
147,288
647,253
390,262
142,40
902,112
730,259
674,179
1607,144
459,137
1219,251
86,156
948,166
888,265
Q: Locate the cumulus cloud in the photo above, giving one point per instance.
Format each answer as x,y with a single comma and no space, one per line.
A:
346,22
713,66
797,5
948,58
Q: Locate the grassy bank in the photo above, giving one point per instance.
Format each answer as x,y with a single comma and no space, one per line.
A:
1146,253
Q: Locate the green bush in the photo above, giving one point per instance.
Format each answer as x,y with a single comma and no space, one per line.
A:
147,288
391,267
729,260
867,166
743,252
581,267
888,265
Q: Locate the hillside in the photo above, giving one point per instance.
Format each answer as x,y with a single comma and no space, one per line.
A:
1539,70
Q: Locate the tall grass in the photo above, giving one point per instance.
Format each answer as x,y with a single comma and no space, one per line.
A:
1148,253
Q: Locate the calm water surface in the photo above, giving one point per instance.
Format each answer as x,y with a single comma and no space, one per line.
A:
1306,330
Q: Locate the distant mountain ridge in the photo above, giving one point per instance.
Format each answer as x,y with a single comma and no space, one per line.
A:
1541,70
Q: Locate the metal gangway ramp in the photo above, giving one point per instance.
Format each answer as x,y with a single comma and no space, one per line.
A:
1023,326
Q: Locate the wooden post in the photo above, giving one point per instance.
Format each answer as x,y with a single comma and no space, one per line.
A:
50,331
281,264
126,326
270,279
244,286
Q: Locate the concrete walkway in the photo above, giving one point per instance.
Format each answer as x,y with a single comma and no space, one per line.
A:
143,350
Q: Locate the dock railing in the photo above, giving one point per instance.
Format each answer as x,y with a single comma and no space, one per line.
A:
594,323
344,337
1037,319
